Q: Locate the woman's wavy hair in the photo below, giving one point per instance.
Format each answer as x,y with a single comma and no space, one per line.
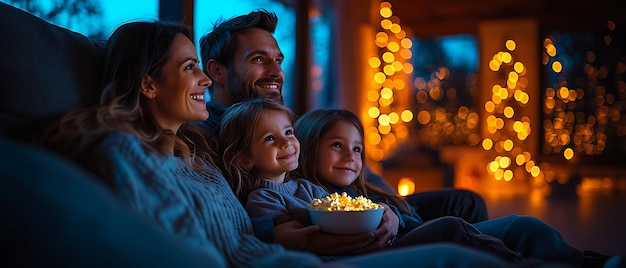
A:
133,51
310,129
235,140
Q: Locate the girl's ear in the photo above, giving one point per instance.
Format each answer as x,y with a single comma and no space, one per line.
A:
216,71
245,163
148,88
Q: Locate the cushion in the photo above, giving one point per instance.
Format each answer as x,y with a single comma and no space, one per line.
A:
55,214
45,71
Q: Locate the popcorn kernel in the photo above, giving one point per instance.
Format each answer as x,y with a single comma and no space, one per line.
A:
343,202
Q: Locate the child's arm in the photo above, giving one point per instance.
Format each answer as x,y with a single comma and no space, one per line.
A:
321,243
267,209
387,230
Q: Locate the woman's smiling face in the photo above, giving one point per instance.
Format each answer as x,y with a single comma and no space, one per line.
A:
179,90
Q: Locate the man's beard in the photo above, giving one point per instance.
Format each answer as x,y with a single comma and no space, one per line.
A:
240,91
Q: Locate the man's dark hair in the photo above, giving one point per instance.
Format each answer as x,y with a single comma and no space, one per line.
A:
221,43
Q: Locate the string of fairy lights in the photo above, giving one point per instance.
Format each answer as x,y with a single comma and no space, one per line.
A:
392,68
507,126
568,126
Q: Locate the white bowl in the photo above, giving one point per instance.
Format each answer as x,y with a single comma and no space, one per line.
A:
347,222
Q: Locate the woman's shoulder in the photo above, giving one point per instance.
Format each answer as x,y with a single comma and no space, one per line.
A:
118,139
127,146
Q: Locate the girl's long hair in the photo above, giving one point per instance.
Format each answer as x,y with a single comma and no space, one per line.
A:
133,51
310,128
235,139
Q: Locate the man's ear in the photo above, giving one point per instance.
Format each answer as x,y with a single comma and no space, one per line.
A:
216,71
148,88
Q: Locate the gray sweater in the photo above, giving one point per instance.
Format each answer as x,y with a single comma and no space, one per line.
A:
285,201
199,208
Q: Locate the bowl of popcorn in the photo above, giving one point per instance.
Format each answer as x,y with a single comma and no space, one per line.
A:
342,214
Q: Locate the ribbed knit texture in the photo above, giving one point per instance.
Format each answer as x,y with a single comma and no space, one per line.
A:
288,199
197,207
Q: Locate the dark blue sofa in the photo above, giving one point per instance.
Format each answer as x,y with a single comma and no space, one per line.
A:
54,214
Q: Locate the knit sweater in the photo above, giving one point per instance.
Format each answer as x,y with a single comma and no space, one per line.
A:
284,201
198,207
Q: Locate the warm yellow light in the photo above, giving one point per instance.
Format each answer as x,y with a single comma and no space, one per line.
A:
505,162
508,145
384,129
499,174
563,93
496,99
383,120
373,112
557,67
513,76
435,93
518,94
382,37
386,93
380,77
511,84
394,118
397,66
518,126
518,67
509,112
494,65
406,116
407,68
529,165
406,54
374,62
490,106
510,45
406,43
401,34
535,171
568,153
506,57
508,175
389,70
493,166
520,159
382,102
386,24
499,123
524,98
388,57
551,50
398,84
406,186
386,12
395,28
393,46
487,144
